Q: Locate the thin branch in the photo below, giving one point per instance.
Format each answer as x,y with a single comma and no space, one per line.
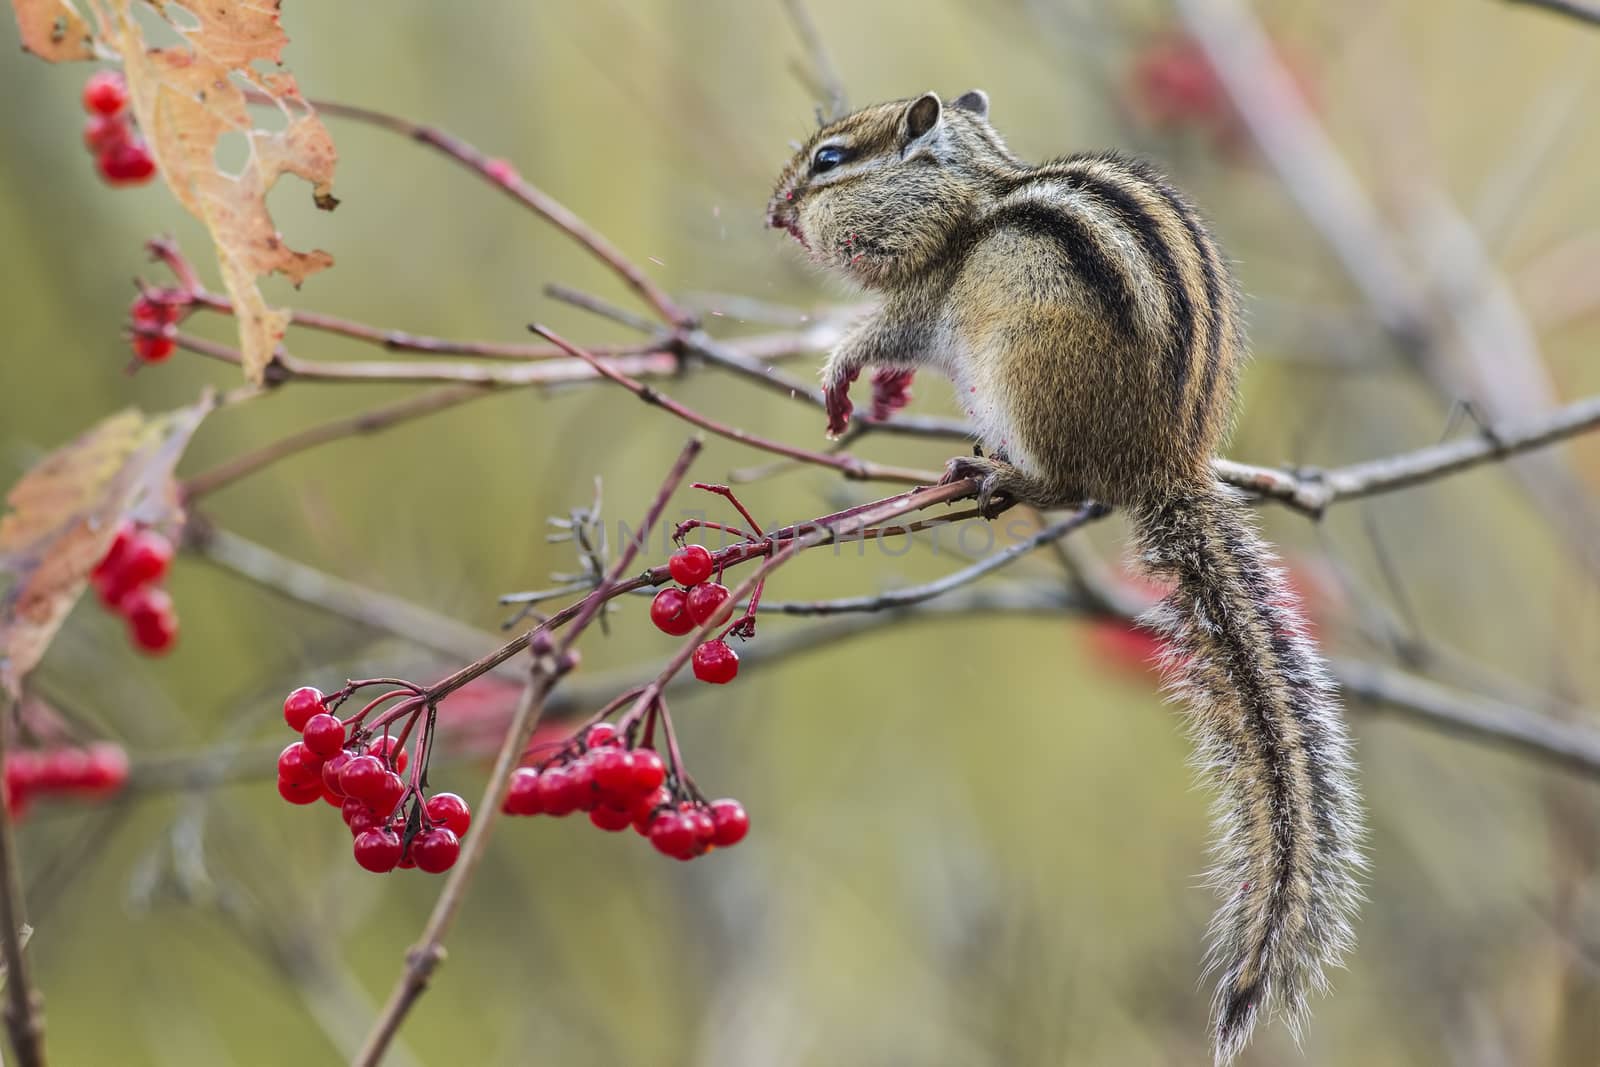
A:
850,466
382,612
285,367
1582,10
1504,725
549,666
429,952
24,1009
501,175
1313,492
822,68
900,598
367,422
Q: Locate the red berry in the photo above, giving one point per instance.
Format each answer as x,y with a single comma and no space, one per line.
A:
350,809
101,132
611,820
105,93
705,828
613,772
648,772
60,769
154,634
523,795
330,772
729,823
716,663
391,787
300,792
363,818
112,561
107,767
558,794
600,735
388,749
709,599
324,735
645,809
146,605
297,763
300,705
581,784
127,163
435,850
450,810
691,565
672,834
378,850
145,560
669,611
362,778
151,348
148,310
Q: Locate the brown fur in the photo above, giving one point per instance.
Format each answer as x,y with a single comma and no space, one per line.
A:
1086,317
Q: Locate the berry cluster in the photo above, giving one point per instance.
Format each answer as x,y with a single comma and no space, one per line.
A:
94,770
393,826
679,611
621,786
155,316
119,153
128,582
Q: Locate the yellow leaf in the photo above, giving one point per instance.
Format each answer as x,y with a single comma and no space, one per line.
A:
186,98
53,30
63,515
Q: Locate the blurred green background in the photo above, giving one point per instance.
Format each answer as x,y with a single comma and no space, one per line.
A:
976,839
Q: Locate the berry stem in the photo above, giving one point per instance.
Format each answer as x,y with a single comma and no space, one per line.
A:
732,498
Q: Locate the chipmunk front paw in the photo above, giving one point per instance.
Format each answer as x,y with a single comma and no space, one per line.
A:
836,398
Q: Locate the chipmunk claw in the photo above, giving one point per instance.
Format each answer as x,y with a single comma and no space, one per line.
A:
836,400
992,476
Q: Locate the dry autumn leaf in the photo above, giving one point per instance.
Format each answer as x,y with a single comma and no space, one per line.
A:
53,30
62,516
186,98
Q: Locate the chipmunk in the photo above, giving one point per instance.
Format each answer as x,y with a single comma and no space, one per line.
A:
1093,333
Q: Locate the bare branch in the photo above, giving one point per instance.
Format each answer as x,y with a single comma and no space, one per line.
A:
822,69
1582,10
1312,493
550,664
850,466
24,1012
501,175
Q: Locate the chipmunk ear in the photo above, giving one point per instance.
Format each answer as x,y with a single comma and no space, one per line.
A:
922,115
973,100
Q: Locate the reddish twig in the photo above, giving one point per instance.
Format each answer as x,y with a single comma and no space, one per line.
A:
549,665
850,466
501,174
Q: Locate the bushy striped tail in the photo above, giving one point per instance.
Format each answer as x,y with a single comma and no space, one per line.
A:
1268,728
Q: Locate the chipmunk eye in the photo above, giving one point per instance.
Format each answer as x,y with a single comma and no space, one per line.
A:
828,158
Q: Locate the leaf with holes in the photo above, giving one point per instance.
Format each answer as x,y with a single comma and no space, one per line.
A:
186,97
63,515
53,30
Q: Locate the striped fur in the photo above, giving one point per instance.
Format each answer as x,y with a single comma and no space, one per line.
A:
1089,323
1268,730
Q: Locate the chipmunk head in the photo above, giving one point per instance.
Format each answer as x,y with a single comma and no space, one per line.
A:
878,193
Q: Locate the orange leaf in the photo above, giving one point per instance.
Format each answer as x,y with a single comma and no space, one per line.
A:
53,30
63,515
186,98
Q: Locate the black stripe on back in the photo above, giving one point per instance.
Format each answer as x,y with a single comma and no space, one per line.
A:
1216,299
1088,259
1176,358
